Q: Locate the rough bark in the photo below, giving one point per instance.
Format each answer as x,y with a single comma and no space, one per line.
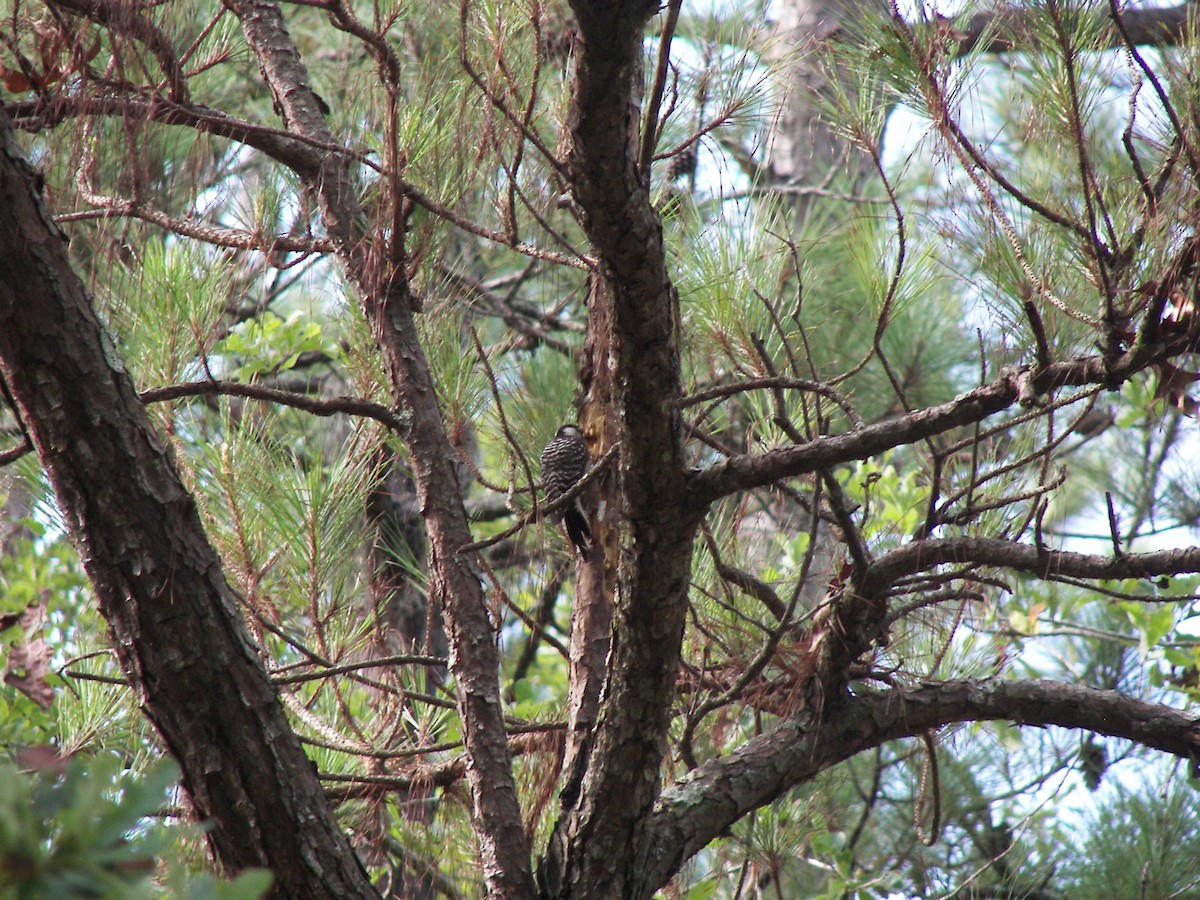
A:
595,572
159,583
591,631
595,839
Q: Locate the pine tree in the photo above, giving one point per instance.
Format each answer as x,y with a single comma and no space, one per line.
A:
892,522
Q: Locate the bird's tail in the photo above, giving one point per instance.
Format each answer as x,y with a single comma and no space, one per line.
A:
578,529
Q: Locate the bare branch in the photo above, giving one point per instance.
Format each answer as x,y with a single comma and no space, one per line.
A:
351,406
920,556
299,153
703,804
1013,386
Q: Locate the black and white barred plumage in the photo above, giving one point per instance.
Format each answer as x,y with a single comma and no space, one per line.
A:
564,462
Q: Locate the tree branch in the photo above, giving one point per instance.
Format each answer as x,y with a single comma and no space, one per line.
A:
302,155
332,406
920,556
712,797
1024,385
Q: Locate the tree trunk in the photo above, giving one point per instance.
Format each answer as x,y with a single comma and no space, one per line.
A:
635,313
159,582
804,150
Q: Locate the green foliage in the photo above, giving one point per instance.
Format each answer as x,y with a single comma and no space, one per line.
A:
86,829
24,721
1141,843
164,307
893,503
271,345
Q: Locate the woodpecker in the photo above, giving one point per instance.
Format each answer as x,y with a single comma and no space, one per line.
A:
564,462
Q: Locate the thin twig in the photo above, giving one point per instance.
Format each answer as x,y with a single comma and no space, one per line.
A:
1113,530
650,126
400,660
